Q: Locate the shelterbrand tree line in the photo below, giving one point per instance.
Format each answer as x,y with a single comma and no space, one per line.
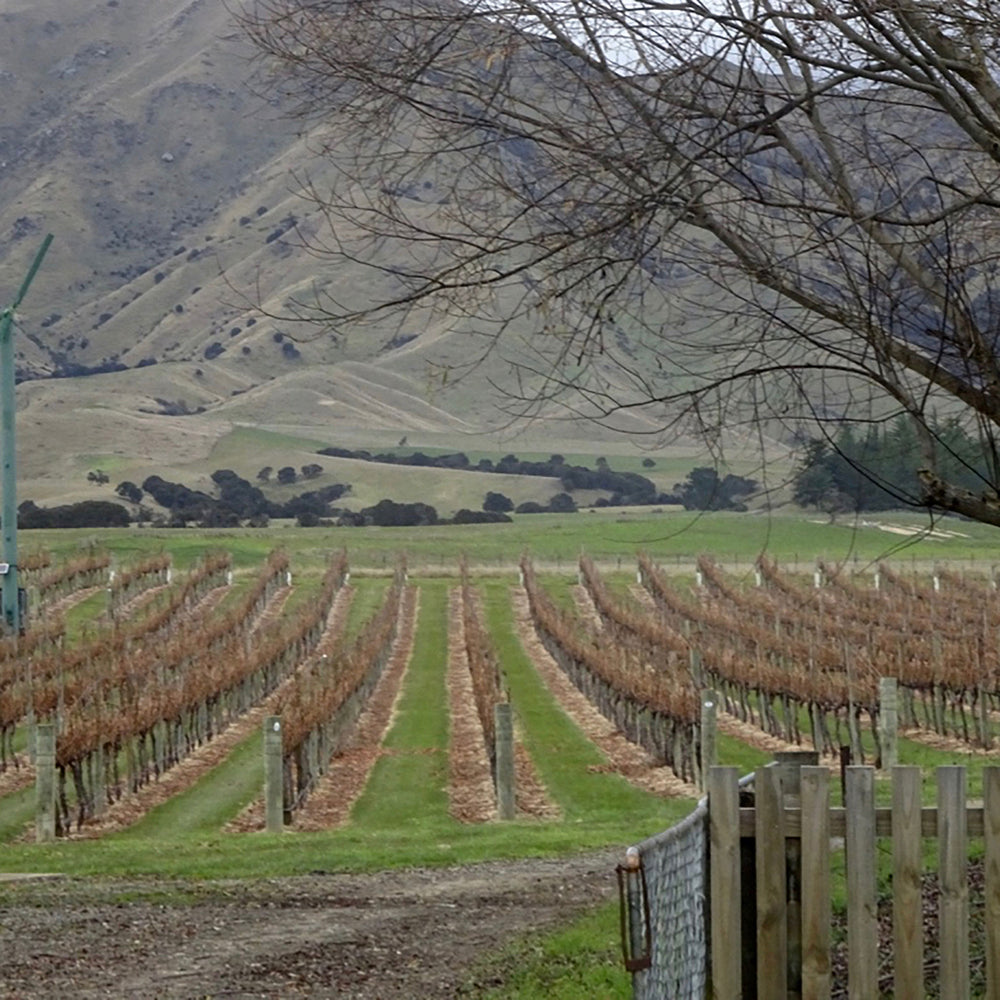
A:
779,213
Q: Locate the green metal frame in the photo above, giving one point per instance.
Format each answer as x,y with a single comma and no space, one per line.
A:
8,451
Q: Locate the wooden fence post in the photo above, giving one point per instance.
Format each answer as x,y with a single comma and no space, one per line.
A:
991,890
816,905
888,721
862,917
907,865
273,775
789,766
503,723
45,783
726,888
772,919
954,901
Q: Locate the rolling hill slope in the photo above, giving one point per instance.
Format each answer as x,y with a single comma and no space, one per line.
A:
149,141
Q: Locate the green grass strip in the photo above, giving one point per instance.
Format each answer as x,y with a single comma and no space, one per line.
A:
81,618
202,854
17,810
369,595
410,784
211,802
731,752
567,762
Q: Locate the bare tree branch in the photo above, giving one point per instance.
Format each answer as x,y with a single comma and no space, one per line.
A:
778,212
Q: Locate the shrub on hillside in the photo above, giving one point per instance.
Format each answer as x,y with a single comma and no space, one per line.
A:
129,491
389,513
562,503
530,507
465,516
497,502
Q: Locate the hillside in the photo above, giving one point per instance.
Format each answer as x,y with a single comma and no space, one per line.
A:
147,139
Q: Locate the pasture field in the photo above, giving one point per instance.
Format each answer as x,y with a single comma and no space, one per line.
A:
186,833
555,541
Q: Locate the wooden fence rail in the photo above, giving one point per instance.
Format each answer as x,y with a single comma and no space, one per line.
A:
778,853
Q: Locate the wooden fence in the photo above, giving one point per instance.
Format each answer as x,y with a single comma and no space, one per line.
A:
772,858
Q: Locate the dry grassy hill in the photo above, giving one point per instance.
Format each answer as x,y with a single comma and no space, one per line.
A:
143,137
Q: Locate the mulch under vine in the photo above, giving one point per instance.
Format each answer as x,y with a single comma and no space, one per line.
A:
470,780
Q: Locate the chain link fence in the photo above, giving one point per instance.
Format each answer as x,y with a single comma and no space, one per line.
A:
670,890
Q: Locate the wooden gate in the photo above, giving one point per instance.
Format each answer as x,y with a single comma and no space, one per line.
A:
780,857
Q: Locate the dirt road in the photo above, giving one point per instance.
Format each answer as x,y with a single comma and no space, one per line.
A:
414,934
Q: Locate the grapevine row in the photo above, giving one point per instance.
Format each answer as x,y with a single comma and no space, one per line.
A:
328,695
772,682
129,582
659,712
49,676
189,691
948,678
484,666
40,677
90,570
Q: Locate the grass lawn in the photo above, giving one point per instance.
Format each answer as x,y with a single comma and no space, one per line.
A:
555,541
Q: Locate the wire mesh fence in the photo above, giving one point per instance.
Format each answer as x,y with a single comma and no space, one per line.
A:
675,864
671,960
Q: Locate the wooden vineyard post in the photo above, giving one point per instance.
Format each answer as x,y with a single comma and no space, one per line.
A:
32,734
694,662
982,704
98,781
888,721
708,726
45,783
273,790
504,729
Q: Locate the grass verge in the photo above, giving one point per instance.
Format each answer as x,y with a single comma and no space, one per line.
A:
581,959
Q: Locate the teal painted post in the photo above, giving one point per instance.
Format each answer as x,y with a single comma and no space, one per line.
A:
8,472
8,452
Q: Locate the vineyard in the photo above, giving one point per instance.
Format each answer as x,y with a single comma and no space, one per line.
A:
456,716
172,662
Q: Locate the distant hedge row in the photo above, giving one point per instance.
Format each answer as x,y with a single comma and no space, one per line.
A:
626,488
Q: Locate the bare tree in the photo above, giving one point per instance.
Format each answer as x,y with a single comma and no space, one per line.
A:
769,213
